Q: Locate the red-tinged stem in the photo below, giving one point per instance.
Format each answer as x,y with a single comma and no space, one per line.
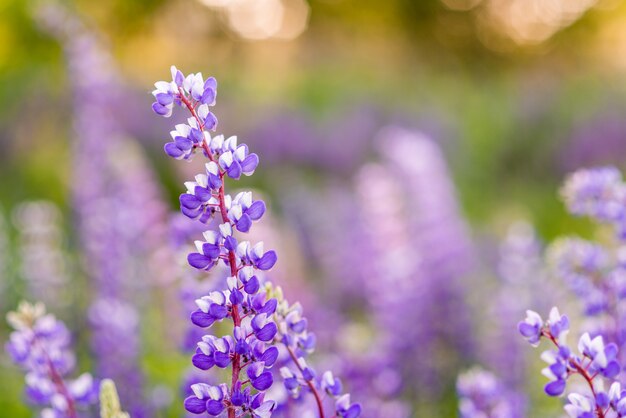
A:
318,398
232,260
582,371
59,383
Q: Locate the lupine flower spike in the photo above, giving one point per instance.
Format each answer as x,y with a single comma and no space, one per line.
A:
596,363
250,350
40,344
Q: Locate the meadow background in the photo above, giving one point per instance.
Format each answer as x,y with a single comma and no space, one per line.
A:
515,94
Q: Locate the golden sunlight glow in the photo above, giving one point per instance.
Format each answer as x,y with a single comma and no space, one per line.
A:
263,19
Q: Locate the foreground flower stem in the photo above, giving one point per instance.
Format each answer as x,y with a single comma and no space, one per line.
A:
232,261
581,370
60,385
318,398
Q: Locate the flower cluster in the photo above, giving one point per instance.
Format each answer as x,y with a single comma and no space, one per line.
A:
119,225
594,272
483,396
40,344
596,363
588,270
250,348
599,193
295,338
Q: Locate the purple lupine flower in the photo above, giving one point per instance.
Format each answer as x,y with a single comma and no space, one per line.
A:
121,225
597,365
298,343
42,262
408,248
40,345
250,311
520,271
420,216
599,193
598,140
582,265
481,395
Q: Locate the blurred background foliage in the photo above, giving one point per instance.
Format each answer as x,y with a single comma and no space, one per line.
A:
507,105
517,92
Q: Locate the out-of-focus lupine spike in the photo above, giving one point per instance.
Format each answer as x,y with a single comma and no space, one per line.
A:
42,264
40,344
599,193
394,247
596,272
482,395
120,216
251,347
423,232
521,271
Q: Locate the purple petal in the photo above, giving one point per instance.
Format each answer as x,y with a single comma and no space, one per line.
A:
179,78
527,330
244,223
269,307
267,332
159,109
263,382
214,407
611,350
183,143
353,412
208,97
189,201
249,164
173,151
199,261
210,122
555,388
196,135
202,193
210,83
218,311
164,99
612,369
191,213
214,181
256,210
257,400
234,171
202,319
267,261
252,285
195,405
211,250
202,361
269,356
230,243
221,359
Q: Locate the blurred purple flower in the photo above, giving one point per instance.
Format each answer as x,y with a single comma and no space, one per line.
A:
40,344
120,215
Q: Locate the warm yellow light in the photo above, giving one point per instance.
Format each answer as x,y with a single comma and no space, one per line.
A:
534,21
263,19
